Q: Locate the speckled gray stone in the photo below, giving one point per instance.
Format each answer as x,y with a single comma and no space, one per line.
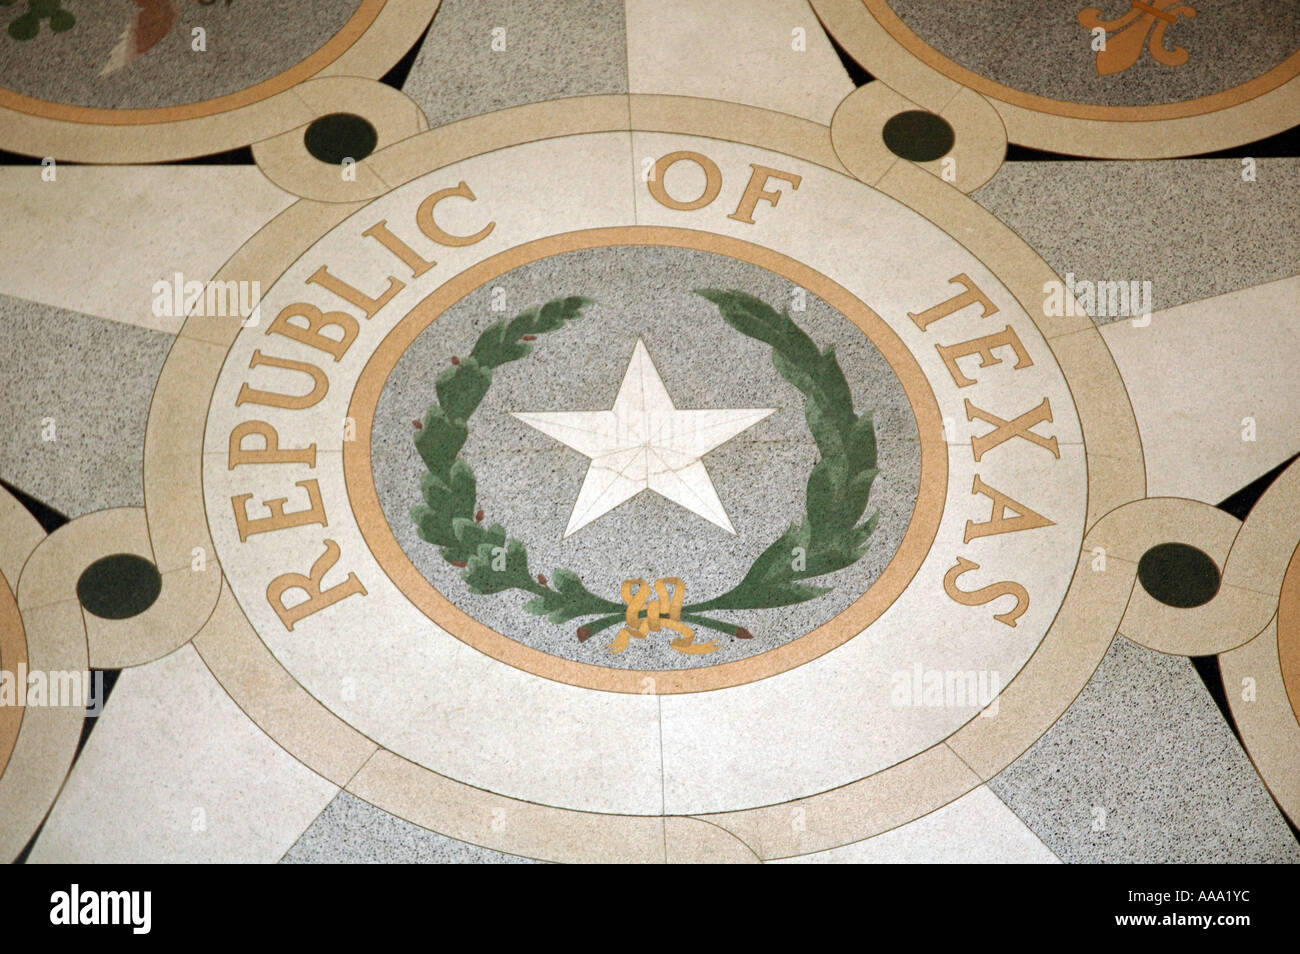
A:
247,43
1145,754
529,482
1041,48
973,34
1190,226
553,49
95,379
352,831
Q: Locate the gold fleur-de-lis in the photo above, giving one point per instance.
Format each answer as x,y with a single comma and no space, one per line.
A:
1142,23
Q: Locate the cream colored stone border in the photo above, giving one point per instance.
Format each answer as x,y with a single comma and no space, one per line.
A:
1035,698
925,76
136,136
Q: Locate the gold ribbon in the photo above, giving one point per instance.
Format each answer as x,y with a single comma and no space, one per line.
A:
663,612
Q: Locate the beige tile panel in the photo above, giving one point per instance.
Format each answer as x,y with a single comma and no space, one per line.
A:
1262,551
51,573
1197,372
182,606
98,239
1162,139
173,451
856,130
175,773
741,53
981,145
1233,617
1112,482
13,659
1144,523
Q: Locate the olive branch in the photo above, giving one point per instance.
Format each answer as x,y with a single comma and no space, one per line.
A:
449,517
831,536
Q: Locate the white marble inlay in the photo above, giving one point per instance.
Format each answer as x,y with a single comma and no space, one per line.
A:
644,443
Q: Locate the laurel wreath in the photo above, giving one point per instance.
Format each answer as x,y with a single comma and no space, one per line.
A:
831,536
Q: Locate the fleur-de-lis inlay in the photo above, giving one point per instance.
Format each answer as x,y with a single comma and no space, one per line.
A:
1143,23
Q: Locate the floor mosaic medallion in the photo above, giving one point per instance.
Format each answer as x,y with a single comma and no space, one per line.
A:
630,432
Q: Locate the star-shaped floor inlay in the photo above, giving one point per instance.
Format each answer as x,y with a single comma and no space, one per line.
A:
644,443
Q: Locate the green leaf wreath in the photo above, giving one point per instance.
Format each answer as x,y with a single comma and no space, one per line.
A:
831,535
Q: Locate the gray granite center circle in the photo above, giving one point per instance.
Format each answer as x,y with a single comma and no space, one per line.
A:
529,482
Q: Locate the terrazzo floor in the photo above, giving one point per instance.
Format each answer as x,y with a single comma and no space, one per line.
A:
1003,571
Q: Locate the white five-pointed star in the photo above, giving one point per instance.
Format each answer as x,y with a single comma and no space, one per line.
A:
644,443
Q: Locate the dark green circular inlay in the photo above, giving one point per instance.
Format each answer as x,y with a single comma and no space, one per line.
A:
918,136
1178,575
340,136
119,586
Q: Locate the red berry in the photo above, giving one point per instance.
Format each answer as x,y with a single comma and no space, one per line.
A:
742,633
478,517
417,425
584,634
541,578
455,360
530,337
